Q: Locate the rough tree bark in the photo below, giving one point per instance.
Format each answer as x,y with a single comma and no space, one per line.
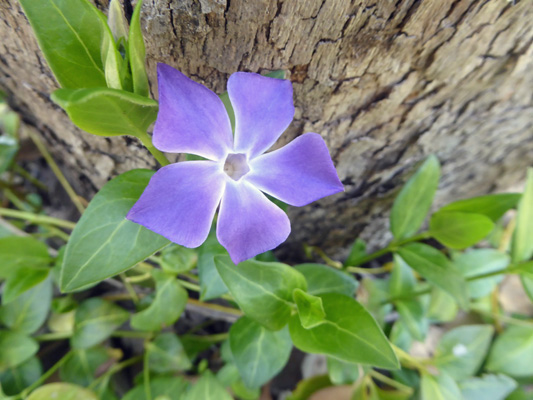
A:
384,82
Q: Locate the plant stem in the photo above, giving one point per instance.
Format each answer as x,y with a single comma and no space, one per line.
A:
215,307
407,359
391,382
218,337
26,175
129,288
146,377
114,369
45,337
147,142
36,218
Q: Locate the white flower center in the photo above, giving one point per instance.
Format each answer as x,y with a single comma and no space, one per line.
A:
236,166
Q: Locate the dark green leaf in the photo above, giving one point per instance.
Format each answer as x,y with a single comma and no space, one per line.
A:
437,269
512,352
341,372
414,200
459,230
323,279
488,387
211,284
22,280
348,333
177,259
81,368
492,205
171,386
95,321
136,53
310,308
262,290
440,387
70,34
104,243
169,303
207,388
63,391
166,354
18,252
522,244
357,252
16,379
16,348
107,112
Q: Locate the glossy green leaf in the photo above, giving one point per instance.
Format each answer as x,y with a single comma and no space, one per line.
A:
166,354
461,351
82,367
357,252
16,348
488,387
258,353
414,200
107,112
19,252
522,244
310,308
171,387
512,352
63,391
28,311
459,230
95,321
137,53
440,387
437,269
22,280
70,34
492,205
211,284
169,303
348,333
323,279
15,380
177,259
103,242
263,290
341,372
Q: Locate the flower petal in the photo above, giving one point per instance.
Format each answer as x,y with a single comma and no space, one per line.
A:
248,223
180,201
298,173
191,119
263,110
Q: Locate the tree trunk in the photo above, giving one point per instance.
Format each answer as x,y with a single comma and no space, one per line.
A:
385,83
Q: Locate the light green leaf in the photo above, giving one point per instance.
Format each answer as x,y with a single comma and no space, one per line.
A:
70,34
16,379
177,259
16,348
437,269
323,279
414,200
492,205
348,333
522,244
442,306
18,252
459,230
211,284
488,387
341,372
310,308
28,311
117,21
207,388
63,391
22,280
441,387
169,303
258,353
413,316
81,368
107,112
9,127
357,252
461,351
136,53
173,387
166,354
95,321
263,290
512,352
527,283
400,336
112,63
103,242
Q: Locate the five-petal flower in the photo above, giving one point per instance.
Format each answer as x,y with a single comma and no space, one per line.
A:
181,199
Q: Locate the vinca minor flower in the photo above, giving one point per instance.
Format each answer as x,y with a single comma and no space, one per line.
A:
181,199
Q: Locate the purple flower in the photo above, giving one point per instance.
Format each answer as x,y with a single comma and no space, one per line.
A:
181,199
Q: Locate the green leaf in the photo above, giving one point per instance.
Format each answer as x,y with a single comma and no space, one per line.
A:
9,126
81,368
492,206
28,311
107,112
207,388
258,353
323,279
459,230
16,348
357,252
413,316
63,391
522,244
481,261
112,62
414,200
177,259
137,53
512,352
103,242
22,280
211,284
16,379
263,290
166,354
437,269
310,308
171,386
488,387
95,321
441,387
70,34
442,306
306,387
348,333
117,21
160,314
19,252
461,351
341,372
527,283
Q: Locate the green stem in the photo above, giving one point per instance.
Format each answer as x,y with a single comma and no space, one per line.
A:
36,219
45,337
26,175
147,142
391,382
146,377
218,337
129,288
114,369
